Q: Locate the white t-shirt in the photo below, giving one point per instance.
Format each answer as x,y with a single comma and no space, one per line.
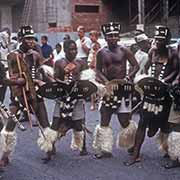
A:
58,56
81,53
142,59
102,42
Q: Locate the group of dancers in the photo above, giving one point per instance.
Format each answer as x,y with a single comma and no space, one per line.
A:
71,83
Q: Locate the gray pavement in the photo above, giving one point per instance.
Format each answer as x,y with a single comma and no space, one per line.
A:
26,163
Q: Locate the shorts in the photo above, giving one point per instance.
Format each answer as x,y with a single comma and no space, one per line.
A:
78,111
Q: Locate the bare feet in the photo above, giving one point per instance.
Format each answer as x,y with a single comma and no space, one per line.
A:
4,162
48,157
92,108
103,155
132,161
83,153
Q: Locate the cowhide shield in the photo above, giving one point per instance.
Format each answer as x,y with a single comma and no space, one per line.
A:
150,86
52,90
119,88
79,89
86,88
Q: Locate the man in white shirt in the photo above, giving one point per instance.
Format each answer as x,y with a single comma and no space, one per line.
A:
142,54
83,44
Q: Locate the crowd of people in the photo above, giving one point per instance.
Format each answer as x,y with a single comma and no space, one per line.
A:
145,82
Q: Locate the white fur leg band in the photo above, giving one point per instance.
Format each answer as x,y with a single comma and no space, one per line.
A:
103,139
162,142
126,137
46,140
77,140
7,141
173,143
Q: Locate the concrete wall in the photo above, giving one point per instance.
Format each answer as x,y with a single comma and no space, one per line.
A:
51,11
16,16
6,17
64,13
39,18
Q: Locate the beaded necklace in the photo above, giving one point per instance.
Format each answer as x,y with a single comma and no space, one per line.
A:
153,68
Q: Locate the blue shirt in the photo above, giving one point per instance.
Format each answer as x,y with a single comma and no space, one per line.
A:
46,50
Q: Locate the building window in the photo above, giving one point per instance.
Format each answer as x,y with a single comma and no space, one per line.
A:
52,24
86,8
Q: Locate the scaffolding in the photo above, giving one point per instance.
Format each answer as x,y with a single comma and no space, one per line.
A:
26,12
147,13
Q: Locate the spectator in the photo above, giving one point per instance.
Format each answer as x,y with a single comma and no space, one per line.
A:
65,38
83,44
46,48
94,35
142,54
37,47
57,52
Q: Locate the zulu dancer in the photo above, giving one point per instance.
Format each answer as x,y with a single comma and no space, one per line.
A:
173,140
22,63
111,65
7,137
154,112
68,114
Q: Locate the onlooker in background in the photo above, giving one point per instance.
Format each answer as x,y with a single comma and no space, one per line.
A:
46,48
83,44
102,41
95,46
57,52
6,45
19,39
65,38
142,54
37,46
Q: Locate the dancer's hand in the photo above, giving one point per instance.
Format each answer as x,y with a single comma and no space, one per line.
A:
21,81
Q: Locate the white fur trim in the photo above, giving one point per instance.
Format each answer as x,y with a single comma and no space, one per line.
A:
48,70
126,137
139,77
77,140
46,143
174,145
162,142
7,141
90,75
103,139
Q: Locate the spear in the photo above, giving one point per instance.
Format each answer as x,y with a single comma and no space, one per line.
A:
23,91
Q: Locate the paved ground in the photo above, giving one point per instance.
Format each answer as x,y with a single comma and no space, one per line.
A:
26,162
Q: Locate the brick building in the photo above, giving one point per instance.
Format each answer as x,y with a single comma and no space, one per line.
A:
90,13
66,15
53,15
